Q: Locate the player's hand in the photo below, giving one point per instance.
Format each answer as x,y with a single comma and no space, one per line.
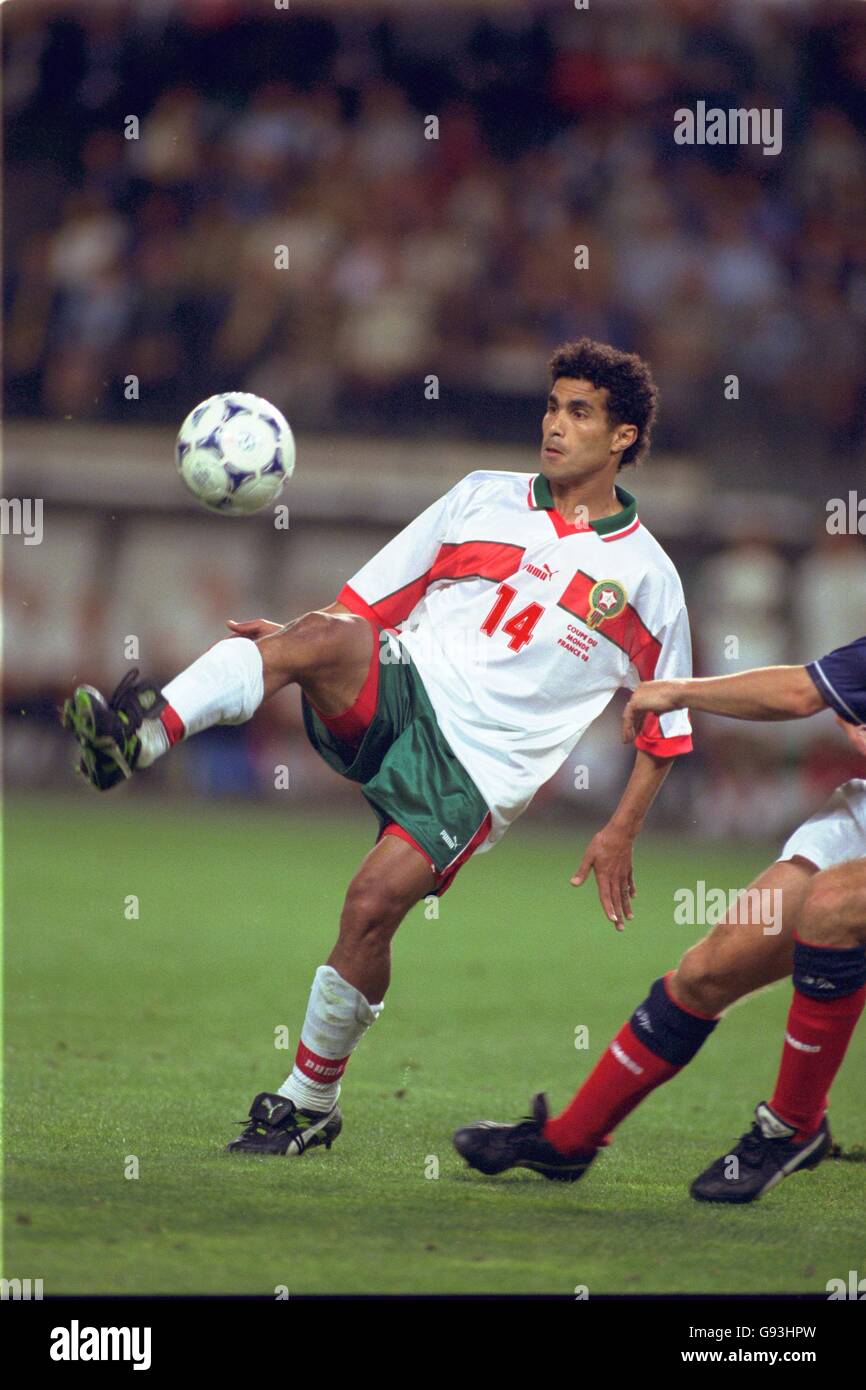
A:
856,733
254,629
658,697
609,855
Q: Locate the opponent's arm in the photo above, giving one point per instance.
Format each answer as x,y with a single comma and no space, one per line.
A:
769,692
609,853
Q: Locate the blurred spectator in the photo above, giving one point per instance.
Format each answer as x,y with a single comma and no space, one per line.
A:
416,250
830,595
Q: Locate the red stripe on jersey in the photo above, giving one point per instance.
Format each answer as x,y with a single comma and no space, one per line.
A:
493,560
477,560
652,740
627,630
390,610
318,1068
350,599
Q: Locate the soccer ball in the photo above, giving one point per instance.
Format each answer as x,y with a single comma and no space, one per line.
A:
235,452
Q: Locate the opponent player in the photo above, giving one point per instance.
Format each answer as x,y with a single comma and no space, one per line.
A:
821,875
522,603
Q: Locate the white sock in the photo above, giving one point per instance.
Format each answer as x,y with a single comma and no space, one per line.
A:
154,742
337,1018
225,686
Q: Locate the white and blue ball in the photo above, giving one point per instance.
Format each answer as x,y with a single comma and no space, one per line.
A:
235,452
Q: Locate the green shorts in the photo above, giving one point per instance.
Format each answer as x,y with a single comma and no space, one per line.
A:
405,765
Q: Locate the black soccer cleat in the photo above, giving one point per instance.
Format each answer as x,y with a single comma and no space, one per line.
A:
494,1148
277,1126
108,729
764,1156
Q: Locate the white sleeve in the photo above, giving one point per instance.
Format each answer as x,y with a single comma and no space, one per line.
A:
388,587
667,657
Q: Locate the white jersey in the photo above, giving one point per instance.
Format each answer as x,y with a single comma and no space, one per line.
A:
522,626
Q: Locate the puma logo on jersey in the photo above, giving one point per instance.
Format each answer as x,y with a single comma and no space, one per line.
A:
449,839
540,571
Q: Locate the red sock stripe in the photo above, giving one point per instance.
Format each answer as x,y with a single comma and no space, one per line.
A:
173,724
321,1069
354,722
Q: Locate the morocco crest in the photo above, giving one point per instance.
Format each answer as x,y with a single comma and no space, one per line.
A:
607,599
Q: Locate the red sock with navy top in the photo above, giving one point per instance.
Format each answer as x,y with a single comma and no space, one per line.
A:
659,1039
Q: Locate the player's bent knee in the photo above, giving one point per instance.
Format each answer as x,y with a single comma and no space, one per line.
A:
371,908
702,982
830,904
312,642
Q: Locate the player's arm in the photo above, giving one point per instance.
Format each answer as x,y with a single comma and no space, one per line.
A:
667,654
609,853
767,693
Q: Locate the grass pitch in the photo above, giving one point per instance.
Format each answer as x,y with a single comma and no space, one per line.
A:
132,1044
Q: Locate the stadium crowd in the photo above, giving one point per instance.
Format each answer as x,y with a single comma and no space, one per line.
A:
146,247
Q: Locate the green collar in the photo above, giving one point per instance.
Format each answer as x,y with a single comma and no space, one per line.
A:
542,497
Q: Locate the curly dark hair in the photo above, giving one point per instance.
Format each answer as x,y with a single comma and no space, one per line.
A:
632,393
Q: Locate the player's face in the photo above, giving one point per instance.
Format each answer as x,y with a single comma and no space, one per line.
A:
577,438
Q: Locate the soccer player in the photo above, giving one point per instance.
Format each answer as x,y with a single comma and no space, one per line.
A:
451,678
821,876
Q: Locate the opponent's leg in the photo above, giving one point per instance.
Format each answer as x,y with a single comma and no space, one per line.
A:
829,995
744,951
791,1133
346,998
668,1029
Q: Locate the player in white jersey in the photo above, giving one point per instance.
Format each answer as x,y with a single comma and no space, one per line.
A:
804,916
452,677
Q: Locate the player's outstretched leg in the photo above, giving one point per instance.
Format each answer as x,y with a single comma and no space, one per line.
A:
742,953
346,998
327,653
791,1132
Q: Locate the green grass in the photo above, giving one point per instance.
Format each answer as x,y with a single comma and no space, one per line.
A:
149,1037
